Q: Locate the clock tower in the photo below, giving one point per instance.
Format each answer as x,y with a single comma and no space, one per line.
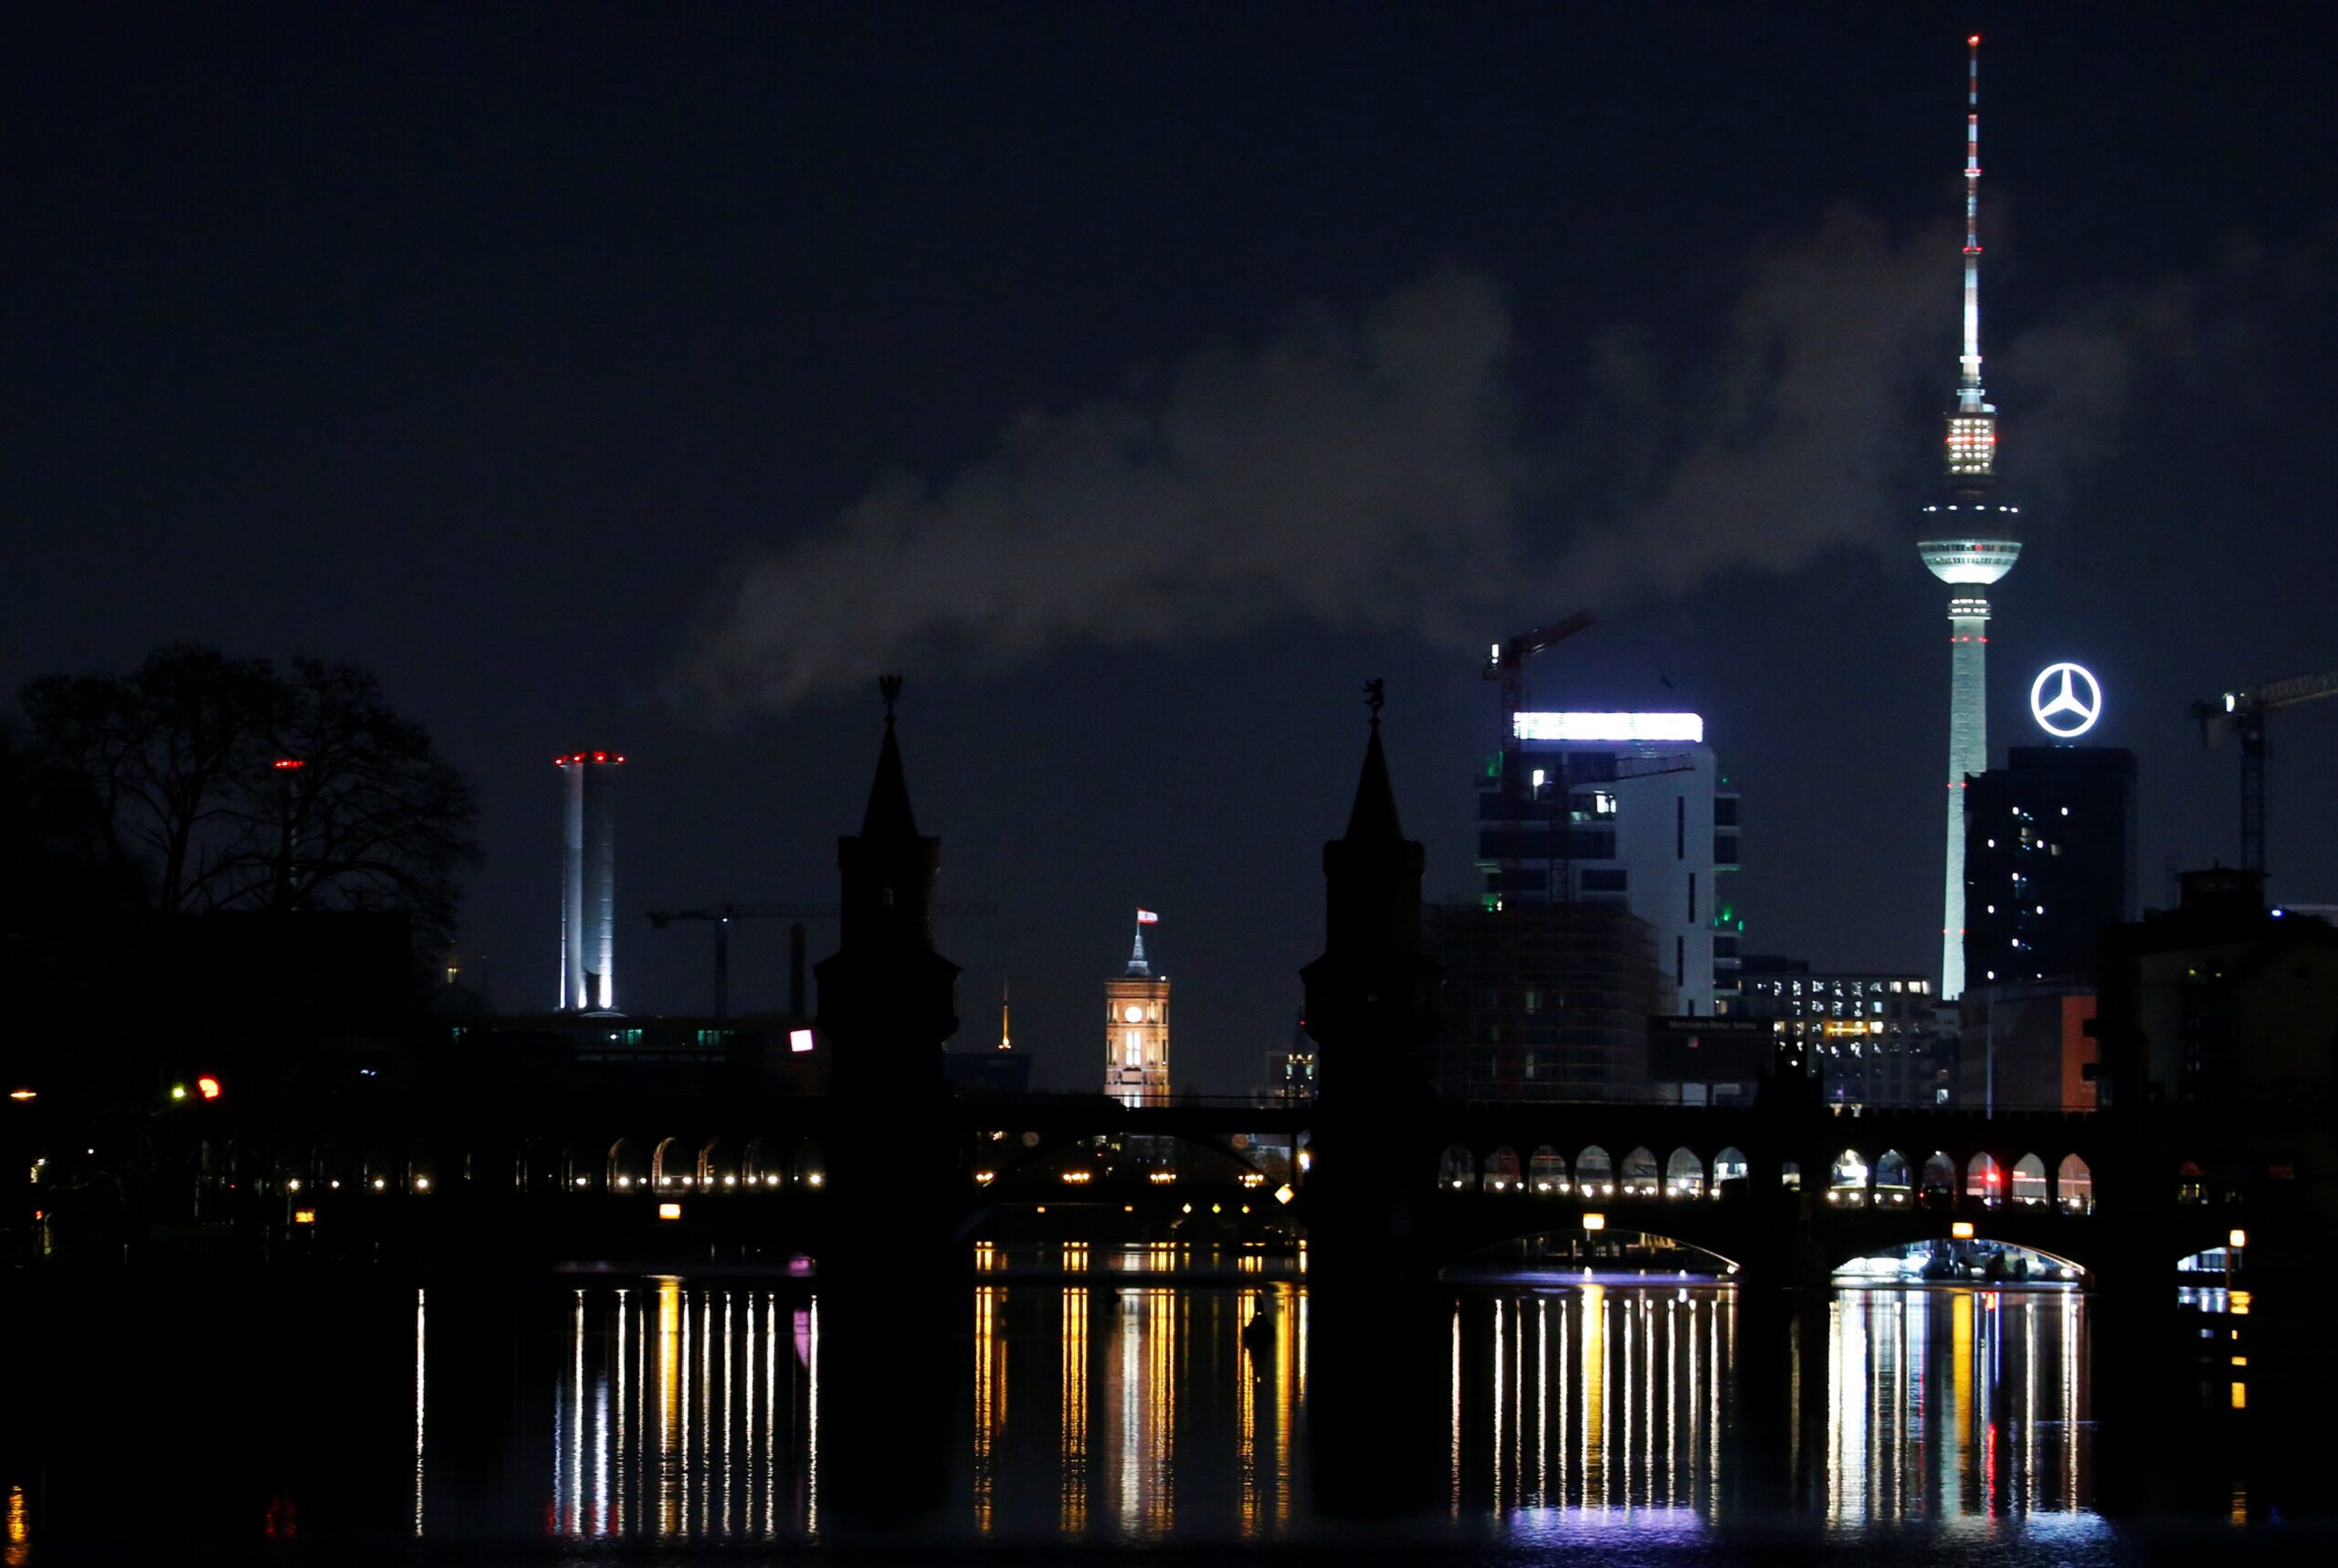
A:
1136,1029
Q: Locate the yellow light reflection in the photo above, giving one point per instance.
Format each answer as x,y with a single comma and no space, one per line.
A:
1072,1413
990,1392
20,1531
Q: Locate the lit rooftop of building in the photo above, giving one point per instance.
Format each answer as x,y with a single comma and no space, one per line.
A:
1689,727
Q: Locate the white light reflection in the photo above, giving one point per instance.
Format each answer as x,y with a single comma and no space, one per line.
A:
421,1381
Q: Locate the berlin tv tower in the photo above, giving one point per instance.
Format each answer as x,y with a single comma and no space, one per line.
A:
1969,541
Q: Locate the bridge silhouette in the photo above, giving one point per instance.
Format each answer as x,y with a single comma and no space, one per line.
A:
1395,1180
882,1181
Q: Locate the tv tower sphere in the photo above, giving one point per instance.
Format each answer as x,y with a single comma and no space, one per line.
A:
1969,541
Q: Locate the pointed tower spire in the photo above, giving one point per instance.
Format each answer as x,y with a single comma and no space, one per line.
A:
886,997
1374,815
1137,964
1006,1035
888,814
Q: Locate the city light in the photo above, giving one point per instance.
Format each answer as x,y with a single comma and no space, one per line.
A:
1594,1221
1284,1194
304,1216
24,1094
1689,727
2237,1239
207,1087
670,1211
799,1040
178,1092
1962,1230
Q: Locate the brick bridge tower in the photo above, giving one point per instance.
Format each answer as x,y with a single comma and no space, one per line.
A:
1374,1298
888,1002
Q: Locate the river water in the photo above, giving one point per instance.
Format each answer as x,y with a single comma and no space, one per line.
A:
1093,1407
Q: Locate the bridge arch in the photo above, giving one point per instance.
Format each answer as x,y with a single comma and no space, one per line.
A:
1985,1180
1502,1170
2029,1185
2074,1185
1546,1172
1594,1176
1639,1178
1571,1247
1457,1168
1730,1165
718,1165
761,1163
1936,1183
1684,1175
1847,1179
1892,1188
629,1164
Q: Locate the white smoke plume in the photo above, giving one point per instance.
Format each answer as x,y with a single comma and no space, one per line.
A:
1371,472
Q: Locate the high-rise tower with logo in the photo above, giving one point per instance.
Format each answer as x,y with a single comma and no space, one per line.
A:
1970,540
1136,1028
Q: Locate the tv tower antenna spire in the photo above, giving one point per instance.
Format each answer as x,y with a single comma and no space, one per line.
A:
1969,396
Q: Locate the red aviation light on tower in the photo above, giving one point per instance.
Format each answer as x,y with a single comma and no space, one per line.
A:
1974,42
287,765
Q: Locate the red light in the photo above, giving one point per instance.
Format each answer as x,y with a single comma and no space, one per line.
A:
286,763
1974,42
600,756
207,1087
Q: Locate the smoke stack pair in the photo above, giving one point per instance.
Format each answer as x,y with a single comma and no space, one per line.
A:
588,899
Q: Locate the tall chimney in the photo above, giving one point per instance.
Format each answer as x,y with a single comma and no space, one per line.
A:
588,900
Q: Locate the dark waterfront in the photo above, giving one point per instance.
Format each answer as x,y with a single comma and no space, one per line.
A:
1100,1402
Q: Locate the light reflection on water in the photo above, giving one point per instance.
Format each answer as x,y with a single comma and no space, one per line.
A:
1955,1404
1133,1409
685,1413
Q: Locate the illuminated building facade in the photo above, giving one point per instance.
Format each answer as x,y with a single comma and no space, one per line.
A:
2049,862
1136,1032
1969,542
1869,1039
588,881
1625,810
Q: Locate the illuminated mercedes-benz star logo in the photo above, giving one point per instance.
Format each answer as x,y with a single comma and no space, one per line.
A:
2066,700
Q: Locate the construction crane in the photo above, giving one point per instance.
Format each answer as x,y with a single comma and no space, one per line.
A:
722,915
2243,710
1506,662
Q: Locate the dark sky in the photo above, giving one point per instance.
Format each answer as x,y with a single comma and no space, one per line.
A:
1139,379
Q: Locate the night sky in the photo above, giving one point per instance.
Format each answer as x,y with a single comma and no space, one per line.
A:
1138,380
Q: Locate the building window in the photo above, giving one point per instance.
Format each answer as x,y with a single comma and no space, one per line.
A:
1679,961
1692,898
1680,827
